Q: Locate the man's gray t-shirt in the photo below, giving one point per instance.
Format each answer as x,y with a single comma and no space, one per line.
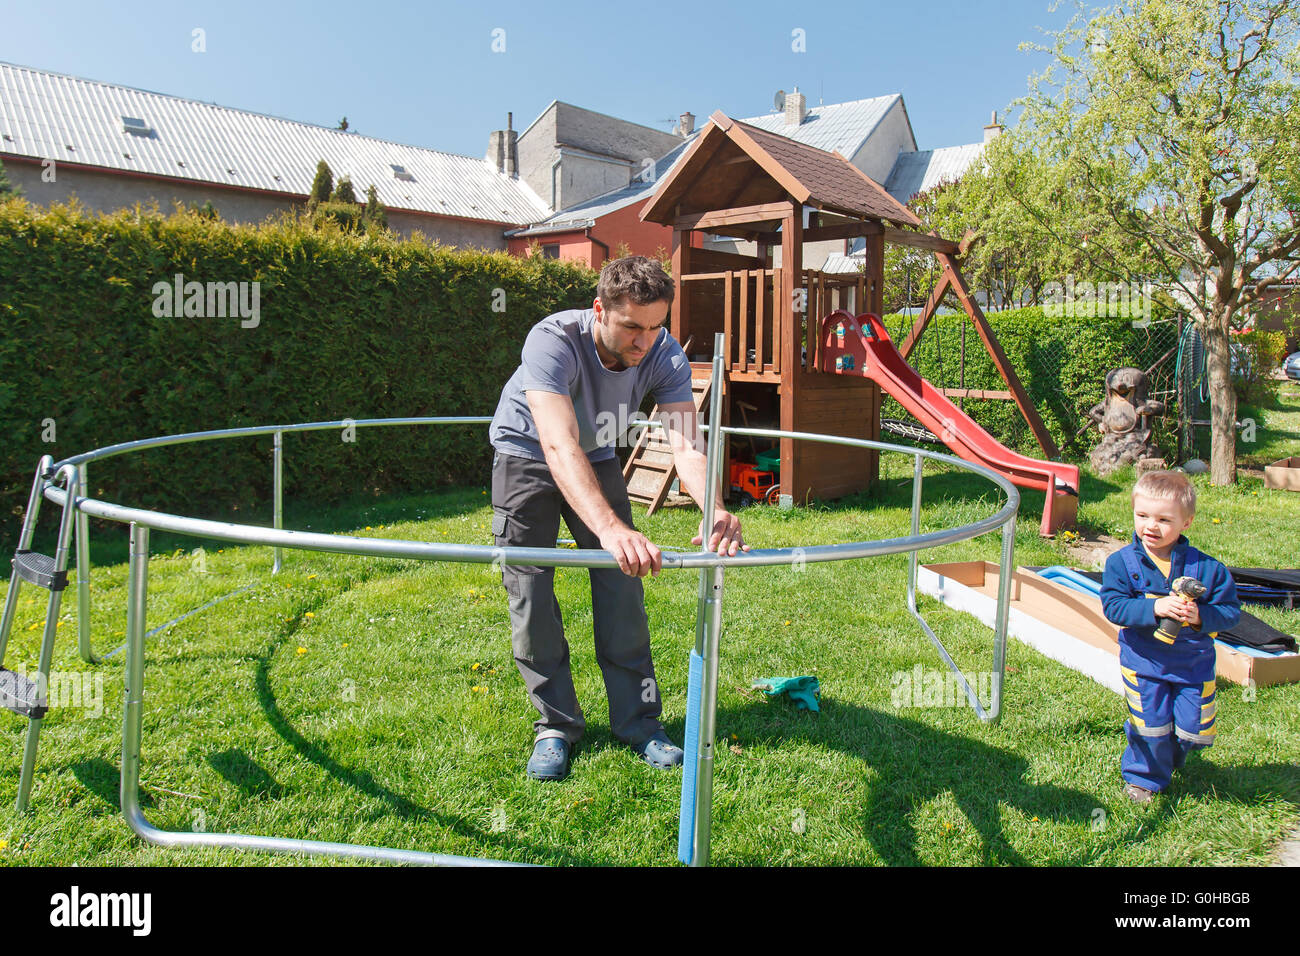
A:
560,356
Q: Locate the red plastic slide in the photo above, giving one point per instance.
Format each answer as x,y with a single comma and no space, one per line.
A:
862,346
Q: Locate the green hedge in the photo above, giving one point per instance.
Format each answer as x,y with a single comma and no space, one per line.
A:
1062,363
348,327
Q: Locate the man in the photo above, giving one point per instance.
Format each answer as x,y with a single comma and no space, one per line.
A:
583,377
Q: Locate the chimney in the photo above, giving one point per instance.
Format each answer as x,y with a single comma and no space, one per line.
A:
503,148
796,108
994,129
686,125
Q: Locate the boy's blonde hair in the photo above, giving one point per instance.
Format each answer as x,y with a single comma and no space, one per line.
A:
1167,486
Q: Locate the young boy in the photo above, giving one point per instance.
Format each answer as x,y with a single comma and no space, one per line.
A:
1168,681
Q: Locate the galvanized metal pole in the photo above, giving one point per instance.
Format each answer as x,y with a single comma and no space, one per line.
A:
278,478
912,558
709,623
708,720
137,577
1006,568
83,575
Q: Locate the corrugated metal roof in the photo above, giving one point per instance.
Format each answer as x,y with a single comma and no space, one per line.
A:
916,172
585,214
830,179
843,127
839,263
42,114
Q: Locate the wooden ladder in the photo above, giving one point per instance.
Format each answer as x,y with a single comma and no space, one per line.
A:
650,471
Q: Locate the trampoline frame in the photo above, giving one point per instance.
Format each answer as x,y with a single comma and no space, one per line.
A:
694,843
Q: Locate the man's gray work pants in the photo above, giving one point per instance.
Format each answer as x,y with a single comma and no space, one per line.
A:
527,507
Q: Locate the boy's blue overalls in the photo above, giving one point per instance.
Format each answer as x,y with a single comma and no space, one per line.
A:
1168,683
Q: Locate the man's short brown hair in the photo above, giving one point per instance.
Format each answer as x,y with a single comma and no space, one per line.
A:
1167,486
637,278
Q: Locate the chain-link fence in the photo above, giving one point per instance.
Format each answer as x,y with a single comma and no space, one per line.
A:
1062,362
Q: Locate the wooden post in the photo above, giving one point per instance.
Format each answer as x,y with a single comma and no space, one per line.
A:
728,325
875,275
745,276
680,264
791,338
931,304
1004,366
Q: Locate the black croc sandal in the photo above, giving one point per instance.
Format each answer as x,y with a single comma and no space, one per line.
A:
550,759
661,752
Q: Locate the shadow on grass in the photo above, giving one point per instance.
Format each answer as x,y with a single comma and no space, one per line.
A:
1231,784
914,764
245,774
104,780
364,782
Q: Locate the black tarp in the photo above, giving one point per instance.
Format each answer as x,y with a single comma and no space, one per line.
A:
1277,586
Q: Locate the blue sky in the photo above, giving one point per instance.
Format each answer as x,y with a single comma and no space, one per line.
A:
426,74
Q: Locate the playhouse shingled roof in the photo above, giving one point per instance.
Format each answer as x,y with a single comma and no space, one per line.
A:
809,175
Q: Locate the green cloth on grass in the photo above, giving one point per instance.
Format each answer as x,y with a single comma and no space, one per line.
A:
804,691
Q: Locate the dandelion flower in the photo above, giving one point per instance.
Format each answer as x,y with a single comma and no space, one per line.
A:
310,614
302,650
475,667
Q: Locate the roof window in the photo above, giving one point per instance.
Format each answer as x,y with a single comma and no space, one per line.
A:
132,124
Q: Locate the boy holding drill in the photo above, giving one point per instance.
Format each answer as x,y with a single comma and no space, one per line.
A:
1170,600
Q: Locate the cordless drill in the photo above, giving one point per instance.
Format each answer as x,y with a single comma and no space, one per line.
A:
1189,588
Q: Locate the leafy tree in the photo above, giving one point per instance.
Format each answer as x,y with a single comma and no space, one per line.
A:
321,186
1160,142
344,192
204,211
375,215
6,187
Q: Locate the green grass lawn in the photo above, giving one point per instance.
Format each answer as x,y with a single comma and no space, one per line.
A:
376,701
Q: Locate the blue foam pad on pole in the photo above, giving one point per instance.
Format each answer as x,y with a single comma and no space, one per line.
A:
690,765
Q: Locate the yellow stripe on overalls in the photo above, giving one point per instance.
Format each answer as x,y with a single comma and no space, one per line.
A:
1209,707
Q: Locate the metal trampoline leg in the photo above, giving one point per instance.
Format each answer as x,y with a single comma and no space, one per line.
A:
708,721
133,693
277,477
993,713
84,647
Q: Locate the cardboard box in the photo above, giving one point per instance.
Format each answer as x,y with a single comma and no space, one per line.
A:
1283,475
1069,626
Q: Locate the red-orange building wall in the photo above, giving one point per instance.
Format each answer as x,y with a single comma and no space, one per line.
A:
621,226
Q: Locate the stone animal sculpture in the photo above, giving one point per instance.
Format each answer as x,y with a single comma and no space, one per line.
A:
1124,420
